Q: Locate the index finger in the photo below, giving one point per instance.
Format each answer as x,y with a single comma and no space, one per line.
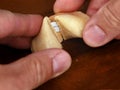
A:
18,24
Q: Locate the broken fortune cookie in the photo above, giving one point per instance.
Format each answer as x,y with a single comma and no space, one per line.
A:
59,27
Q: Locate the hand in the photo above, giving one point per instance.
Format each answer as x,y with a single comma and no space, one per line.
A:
72,5
28,72
104,24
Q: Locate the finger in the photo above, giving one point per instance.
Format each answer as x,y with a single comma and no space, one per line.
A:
34,70
67,5
17,42
118,37
18,24
95,5
104,26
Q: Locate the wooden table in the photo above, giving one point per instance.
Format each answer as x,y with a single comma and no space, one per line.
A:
92,68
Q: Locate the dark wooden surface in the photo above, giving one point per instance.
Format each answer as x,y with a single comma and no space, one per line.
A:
92,68
43,7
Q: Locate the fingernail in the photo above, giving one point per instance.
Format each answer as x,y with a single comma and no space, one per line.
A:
61,63
94,35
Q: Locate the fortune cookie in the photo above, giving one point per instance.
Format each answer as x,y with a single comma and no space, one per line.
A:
59,27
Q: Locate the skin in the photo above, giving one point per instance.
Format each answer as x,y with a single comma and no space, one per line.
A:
104,24
27,73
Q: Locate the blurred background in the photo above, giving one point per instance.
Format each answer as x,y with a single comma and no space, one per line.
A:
43,7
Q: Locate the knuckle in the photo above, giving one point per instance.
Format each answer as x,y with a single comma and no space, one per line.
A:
7,18
6,22
41,70
111,15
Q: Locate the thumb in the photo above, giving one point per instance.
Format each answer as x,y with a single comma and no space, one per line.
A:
35,69
104,25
